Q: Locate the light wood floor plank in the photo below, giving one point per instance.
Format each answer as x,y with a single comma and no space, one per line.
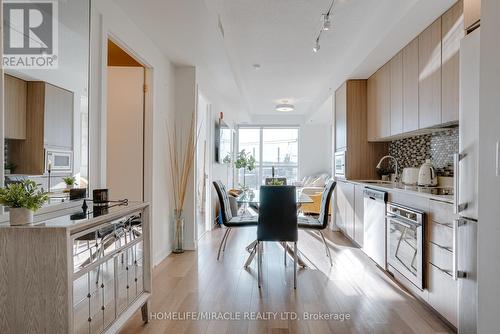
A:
197,282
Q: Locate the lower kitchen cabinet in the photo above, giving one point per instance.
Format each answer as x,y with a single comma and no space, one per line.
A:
443,292
359,206
345,208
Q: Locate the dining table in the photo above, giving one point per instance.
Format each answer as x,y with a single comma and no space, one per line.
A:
252,197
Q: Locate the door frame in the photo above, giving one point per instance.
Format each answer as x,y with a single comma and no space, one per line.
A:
147,113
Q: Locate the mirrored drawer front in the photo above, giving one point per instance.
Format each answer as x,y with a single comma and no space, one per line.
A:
91,245
103,292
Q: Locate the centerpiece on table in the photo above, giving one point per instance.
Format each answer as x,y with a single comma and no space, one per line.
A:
23,199
244,161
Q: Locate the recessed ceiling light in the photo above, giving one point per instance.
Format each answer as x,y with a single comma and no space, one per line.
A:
285,107
256,66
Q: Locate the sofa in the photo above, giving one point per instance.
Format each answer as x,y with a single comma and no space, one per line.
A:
313,187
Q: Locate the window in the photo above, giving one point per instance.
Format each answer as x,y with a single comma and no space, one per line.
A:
271,147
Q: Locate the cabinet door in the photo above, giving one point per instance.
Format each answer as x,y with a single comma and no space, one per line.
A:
15,107
472,13
358,214
349,209
340,203
384,102
396,66
429,84
58,117
372,107
341,117
443,293
410,86
452,33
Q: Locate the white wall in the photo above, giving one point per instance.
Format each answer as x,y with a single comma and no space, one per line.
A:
108,19
315,149
489,182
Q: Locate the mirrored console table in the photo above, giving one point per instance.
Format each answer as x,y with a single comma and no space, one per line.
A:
76,272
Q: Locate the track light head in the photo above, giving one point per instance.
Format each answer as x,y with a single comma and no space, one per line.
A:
316,46
327,24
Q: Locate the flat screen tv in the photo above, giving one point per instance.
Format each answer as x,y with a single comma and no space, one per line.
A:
223,142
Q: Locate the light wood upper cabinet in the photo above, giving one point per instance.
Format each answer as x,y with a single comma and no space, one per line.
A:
49,122
429,86
452,33
58,118
396,66
384,102
472,13
410,86
379,104
372,107
341,117
15,107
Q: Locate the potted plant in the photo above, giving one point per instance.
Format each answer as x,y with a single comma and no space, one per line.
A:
23,199
247,162
70,182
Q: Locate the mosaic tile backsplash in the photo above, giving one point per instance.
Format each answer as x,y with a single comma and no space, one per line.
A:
439,147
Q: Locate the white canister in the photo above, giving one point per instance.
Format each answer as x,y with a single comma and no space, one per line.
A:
20,216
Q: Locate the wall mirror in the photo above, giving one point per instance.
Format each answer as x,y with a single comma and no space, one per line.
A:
45,110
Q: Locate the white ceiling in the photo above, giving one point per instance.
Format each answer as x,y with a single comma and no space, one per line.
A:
279,35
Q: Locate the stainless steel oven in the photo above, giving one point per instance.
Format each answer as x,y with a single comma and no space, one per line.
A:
340,164
405,242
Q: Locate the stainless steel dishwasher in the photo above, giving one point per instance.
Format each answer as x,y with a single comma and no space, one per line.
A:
374,239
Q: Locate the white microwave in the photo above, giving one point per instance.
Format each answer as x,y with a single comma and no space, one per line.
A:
340,164
58,161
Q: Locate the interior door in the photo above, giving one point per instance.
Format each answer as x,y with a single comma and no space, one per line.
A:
125,133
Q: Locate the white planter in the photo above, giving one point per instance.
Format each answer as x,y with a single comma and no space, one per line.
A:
69,186
20,216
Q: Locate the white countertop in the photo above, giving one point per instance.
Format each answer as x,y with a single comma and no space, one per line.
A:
75,220
412,190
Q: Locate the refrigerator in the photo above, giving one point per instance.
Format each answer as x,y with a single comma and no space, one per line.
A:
466,185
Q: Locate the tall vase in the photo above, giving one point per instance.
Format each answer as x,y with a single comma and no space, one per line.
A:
178,232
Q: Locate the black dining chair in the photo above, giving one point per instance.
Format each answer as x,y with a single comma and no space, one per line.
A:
277,222
320,223
227,218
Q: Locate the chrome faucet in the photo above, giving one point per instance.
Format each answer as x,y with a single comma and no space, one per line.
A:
395,161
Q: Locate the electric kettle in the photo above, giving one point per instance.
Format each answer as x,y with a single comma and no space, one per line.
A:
427,175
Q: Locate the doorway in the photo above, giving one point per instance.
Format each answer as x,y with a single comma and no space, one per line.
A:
203,167
125,125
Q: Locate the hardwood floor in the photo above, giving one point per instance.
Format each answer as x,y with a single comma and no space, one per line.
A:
353,287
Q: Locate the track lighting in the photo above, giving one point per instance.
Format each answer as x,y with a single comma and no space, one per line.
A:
327,25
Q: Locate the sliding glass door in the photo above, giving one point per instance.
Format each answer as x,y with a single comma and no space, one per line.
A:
273,148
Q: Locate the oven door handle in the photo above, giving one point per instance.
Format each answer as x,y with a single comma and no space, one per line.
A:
401,222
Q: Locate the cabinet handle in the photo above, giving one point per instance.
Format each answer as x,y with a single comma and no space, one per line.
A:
443,224
447,272
449,249
456,224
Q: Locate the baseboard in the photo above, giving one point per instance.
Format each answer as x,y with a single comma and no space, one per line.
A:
161,256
